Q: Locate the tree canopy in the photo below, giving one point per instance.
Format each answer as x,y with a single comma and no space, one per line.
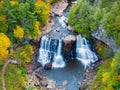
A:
87,16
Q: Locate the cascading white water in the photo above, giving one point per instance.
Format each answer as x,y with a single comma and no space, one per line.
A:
44,51
50,51
58,58
83,51
62,20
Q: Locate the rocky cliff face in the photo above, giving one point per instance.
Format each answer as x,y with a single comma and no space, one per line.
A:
99,34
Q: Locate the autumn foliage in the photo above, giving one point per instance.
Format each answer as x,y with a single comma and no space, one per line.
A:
20,22
108,76
4,44
18,32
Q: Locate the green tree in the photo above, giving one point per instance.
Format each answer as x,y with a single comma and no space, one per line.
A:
82,17
108,76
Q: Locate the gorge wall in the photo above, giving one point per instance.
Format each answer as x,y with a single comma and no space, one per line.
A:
108,40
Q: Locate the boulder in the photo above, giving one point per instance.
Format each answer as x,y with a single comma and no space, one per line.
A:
69,39
69,46
48,66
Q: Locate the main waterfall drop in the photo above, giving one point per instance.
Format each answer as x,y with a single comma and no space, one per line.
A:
56,49
51,51
84,52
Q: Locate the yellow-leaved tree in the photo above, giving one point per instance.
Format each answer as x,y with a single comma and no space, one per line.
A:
18,32
14,2
37,30
105,77
42,10
4,44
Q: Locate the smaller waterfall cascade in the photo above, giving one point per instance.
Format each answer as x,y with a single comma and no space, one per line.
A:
62,21
51,51
83,51
58,58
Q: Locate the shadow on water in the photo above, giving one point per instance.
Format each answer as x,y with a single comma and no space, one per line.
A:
72,73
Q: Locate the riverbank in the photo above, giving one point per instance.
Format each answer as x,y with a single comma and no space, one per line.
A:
90,74
57,9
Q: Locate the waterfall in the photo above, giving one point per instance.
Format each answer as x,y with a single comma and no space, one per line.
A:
44,51
58,59
84,52
51,51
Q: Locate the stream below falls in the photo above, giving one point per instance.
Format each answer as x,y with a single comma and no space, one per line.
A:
73,73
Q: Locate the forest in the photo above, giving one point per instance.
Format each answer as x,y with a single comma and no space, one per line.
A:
21,22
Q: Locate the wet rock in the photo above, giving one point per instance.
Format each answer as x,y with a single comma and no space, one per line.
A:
51,84
59,88
58,29
69,39
48,66
47,84
64,83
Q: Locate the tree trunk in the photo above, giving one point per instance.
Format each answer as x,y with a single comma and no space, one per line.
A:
3,71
